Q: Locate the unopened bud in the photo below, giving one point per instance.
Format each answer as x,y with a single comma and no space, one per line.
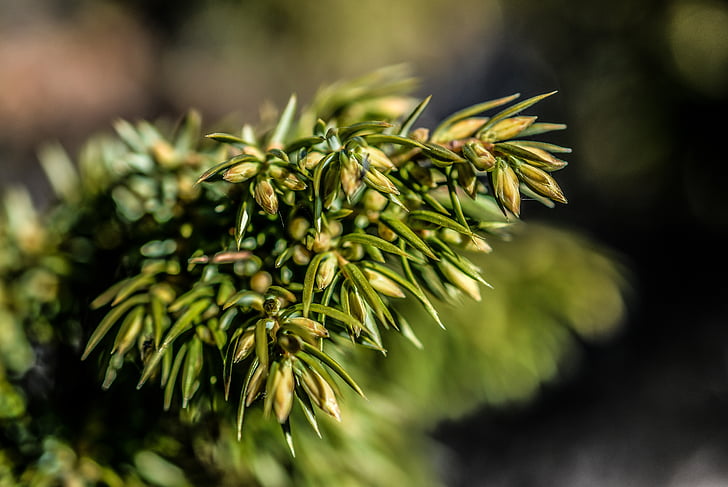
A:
383,284
241,172
467,179
312,326
507,129
505,186
479,156
312,159
325,272
462,129
377,158
375,179
320,392
266,197
285,385
286,178
255,385
298,227
246,344
459,279
544,159
541,182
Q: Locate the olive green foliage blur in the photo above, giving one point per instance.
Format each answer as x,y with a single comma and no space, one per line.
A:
250,284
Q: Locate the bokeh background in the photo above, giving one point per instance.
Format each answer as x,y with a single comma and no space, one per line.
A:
644,89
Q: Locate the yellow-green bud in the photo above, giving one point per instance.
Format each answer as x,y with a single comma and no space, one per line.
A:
245,346
383,284
462,281
479,156
285,384
266,197
541,182
241,172
505,186
507,129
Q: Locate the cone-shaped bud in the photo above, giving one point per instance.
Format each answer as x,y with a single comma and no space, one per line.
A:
320,392
312,159
349,174
467,179
325,272
241,172
507,129
383,284
375,179
286,178
285,385
356,307
541,182
544,159
246,345
377,158
266,197
257,381
505,186
459,279
314,327
463,128
479,156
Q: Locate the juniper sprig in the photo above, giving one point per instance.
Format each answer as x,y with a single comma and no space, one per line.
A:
258,253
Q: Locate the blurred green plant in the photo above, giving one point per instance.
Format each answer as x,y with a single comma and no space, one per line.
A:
245,272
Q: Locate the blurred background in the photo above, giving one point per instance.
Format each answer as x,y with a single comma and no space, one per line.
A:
643,87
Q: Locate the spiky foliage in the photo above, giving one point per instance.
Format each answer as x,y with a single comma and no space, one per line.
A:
333,224
253,269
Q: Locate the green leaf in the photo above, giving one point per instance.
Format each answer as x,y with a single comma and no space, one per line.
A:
184,322
131,286
202,291
333,365
407,234
169,386
308,411
218,168
261,343
541,128
440,220
519,152
241,222
470,112
305,142
348,132
374,241
106,297
511,111
440,153
109,320
130,328
191,371
348,320
284,124
377,139
243,393
227,138
412,118
357,279
309,281
410,285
